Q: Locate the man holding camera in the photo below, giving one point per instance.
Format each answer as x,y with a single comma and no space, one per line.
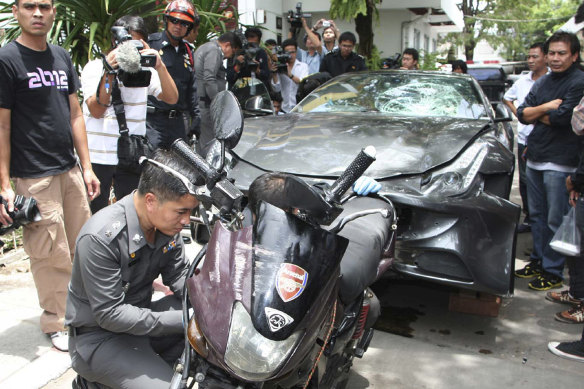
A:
286,80
167,122
101,120
210,75
41,125
253,62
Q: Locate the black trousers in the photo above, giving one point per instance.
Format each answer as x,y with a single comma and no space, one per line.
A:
124,183
576,264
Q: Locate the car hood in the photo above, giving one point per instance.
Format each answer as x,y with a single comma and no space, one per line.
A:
323,144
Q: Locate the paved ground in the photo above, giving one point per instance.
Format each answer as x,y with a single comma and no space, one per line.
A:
427,346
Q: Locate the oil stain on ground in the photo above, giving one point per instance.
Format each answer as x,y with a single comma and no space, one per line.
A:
397,320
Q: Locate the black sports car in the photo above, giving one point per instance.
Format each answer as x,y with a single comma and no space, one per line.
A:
443,157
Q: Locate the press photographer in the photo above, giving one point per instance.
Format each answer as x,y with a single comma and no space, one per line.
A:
295,19
125,77
251,60
287,81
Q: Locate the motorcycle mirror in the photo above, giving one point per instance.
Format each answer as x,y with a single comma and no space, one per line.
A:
227,119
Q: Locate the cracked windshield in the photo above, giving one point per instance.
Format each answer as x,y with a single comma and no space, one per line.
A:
398,95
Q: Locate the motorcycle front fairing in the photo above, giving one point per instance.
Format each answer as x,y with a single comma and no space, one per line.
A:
282,271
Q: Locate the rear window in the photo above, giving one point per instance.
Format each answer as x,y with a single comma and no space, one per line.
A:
486,74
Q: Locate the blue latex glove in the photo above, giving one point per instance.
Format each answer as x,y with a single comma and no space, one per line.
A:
365,185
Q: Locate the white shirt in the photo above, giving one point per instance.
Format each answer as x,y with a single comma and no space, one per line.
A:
103,133
287,87
518,92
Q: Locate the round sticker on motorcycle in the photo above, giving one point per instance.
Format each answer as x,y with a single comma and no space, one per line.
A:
290,281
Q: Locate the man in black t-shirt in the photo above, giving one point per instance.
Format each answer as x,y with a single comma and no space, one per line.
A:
40,126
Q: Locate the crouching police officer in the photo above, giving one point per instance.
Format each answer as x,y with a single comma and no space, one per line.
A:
168,122
117,336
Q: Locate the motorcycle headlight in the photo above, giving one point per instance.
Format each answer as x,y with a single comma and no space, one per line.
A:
249,354
457,177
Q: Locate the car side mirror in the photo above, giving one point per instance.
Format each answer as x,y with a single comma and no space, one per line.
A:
227,119
502,114
257,104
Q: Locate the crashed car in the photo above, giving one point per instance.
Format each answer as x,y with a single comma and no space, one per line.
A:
443,158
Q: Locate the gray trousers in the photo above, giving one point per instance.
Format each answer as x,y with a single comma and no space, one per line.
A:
127,361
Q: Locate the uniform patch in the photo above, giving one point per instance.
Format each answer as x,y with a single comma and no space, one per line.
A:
277,319
291,281
169,247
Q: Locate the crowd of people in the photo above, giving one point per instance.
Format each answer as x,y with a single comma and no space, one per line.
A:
67,156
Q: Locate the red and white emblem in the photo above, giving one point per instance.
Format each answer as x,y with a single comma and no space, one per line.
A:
291,281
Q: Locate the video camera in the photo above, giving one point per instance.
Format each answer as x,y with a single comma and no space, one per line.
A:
283,60
250,50
295,18
25,211
392,62
130,60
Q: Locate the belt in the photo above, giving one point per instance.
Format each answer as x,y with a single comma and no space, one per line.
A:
171,113
74,331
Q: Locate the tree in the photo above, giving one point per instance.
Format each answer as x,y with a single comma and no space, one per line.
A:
510,24
82,27
362,11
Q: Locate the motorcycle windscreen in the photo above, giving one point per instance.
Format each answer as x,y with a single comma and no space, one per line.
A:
293,265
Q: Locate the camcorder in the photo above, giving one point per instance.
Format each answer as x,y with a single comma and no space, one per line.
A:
131,73
283,60
392,62
250,50
25,211
295,18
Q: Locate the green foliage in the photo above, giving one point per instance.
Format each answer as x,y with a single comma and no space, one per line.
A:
510,24
83,26
428,60
349,9
374,60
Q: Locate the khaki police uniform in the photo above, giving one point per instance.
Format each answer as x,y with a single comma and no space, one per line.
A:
118,336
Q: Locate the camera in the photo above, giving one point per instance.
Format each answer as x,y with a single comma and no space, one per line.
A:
25,211
283,60
326,24
250,50
391,62
295,18
130,73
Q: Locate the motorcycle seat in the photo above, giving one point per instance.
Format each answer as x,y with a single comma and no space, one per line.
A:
367,237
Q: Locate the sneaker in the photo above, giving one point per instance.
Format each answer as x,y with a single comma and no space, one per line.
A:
569,350
529,271
523,227
573,316
545,282
562,297
60,340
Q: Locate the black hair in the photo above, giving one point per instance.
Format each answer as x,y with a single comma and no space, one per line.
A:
132,23
413,52
17,1
348,36
164,185
232,39
269,187
538,45
271,42
568,38
290,42
460,64
253,31
315,33
276,96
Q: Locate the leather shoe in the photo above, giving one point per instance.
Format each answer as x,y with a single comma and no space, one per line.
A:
523,227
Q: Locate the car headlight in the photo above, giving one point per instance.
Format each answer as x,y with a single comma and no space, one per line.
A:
249,354
457,177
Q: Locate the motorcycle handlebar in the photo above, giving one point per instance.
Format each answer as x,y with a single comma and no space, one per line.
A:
355,170
182,149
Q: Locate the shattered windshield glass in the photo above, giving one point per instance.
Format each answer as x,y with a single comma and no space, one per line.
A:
398,94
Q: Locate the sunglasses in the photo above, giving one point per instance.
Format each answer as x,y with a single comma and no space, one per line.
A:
178,21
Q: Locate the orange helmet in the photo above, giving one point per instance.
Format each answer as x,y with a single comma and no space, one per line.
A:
183,10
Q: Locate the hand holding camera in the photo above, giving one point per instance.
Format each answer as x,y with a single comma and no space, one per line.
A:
24,211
